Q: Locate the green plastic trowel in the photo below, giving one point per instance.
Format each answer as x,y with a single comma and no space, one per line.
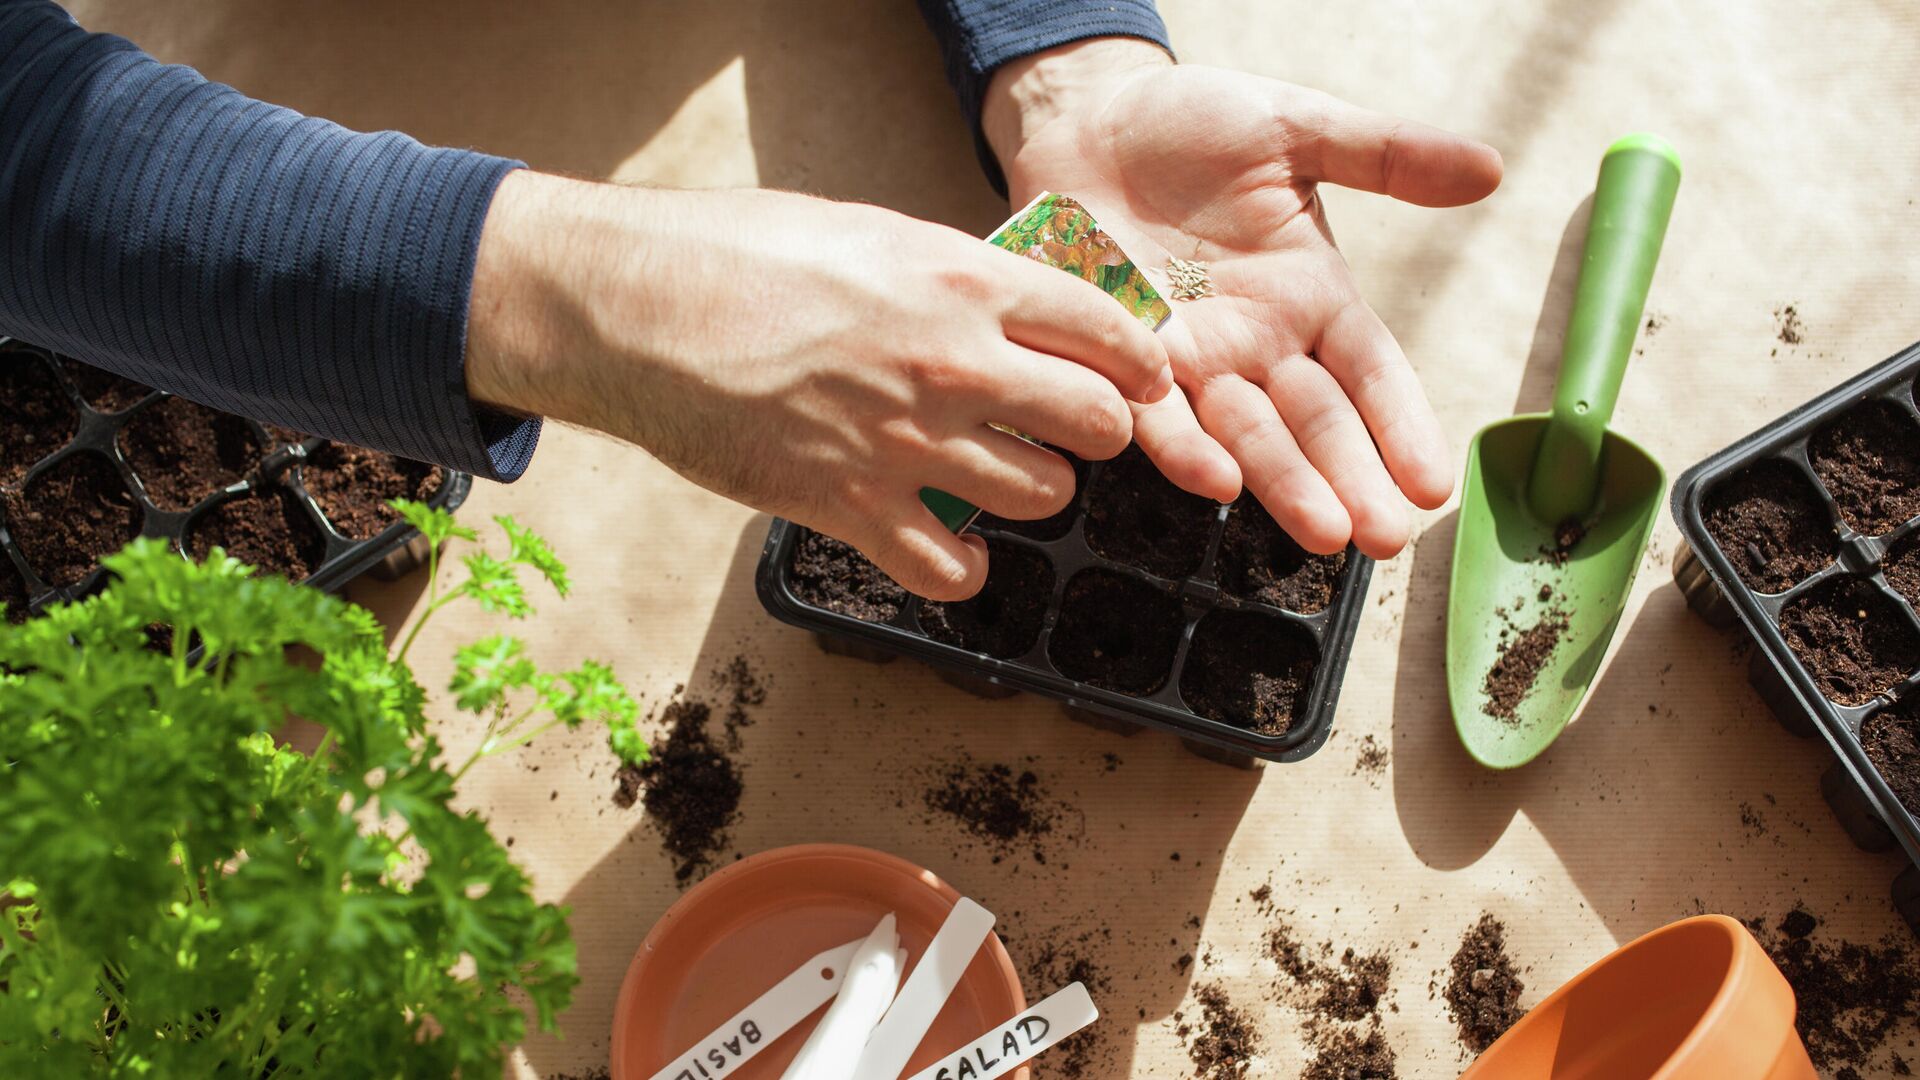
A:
1556,510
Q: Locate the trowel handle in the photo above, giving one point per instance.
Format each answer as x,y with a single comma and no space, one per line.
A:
1632,202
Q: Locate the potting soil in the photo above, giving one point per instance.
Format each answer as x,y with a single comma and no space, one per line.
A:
1523,655
1770,523
1223,1040
1007,811
690,787
1869,461
1853,639
183,452
353,484
1856,1002
1483,989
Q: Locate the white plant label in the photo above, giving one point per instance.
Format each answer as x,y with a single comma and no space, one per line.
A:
1019,1040
925,993
771,1015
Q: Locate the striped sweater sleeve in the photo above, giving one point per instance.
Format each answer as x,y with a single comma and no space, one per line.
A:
242,255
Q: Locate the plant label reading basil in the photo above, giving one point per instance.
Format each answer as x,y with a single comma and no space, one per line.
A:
1058,231
1019,1040
770,1016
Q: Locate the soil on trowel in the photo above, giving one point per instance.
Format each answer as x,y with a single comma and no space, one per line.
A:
1006,809
1891,738
1222,1040
1003,618
1869,461
1856,1002
1855,641
1771,524
266,528
1138,517
689,786
353,484
827,573
1117,632
1047,528
1566,536
182,452
35,416
1523,654
1484,988
1259,561
1251,671
102,389
13,591
71,515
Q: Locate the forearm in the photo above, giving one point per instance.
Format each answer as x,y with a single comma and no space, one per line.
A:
237,253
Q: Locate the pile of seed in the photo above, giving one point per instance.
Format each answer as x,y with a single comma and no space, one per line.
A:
1190,280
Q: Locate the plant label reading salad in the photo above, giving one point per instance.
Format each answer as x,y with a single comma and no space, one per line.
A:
1019,1040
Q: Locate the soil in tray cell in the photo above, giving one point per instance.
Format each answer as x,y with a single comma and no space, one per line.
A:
1116,632
1138,517
1251,671
1771,524
183,452
36,418
827,573
102,389
267,529
1902,567
1853,638
352,485
71,515
13,591
1003,619
1047,528
1869,460
1891,738
1261,562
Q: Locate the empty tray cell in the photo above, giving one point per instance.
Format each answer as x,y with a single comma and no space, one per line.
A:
13,591
1003,619
72,514
101,388
1853,638
267,529
1117,632
1249,670
830,574
1047,528
1772,525
1259,561
1869,461
1138,517
1902,567
352,485
1891,738
36,417
182,452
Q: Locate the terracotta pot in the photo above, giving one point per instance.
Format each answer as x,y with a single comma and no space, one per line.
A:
734,935
1695,1000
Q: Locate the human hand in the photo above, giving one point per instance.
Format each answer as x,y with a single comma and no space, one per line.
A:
1293,382
818,360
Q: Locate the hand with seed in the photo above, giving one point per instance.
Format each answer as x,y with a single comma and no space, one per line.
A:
1287,379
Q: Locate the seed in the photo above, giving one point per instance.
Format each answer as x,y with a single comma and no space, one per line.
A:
1190,279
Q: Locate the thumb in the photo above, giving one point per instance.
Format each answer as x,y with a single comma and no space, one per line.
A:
925,557
1331,140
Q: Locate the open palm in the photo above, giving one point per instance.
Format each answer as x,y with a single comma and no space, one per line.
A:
1290,383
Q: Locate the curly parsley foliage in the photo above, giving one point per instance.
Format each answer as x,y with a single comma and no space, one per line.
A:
181,895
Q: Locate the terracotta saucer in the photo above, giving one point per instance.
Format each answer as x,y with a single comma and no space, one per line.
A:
734,935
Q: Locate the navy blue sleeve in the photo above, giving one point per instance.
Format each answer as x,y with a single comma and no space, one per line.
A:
977,36
239,254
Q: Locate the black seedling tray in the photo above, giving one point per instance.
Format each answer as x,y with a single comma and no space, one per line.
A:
393,552
1859,796
1328,636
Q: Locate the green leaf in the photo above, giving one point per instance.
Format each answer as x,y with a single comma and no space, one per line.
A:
486,670
494,585
530,549
437,525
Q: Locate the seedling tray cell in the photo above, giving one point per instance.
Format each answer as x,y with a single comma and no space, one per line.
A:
92,460
1240,678
1806,534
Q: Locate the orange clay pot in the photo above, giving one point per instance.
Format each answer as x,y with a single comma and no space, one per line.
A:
734,935
1696,1000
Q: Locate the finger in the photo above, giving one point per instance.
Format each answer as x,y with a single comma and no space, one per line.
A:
1059,313
1335,440
1002,474
1172,437
1328,139
1360,352
1243,418
1055,401
924,556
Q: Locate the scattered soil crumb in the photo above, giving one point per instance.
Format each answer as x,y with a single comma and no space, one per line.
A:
690,788
1344,1053
1656,322
1348,989
1372,760
744,689
1483,995
1523,655
1787,326
1088,1054
1223,1041
994,804
1855,1000
1566,536
598,1073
